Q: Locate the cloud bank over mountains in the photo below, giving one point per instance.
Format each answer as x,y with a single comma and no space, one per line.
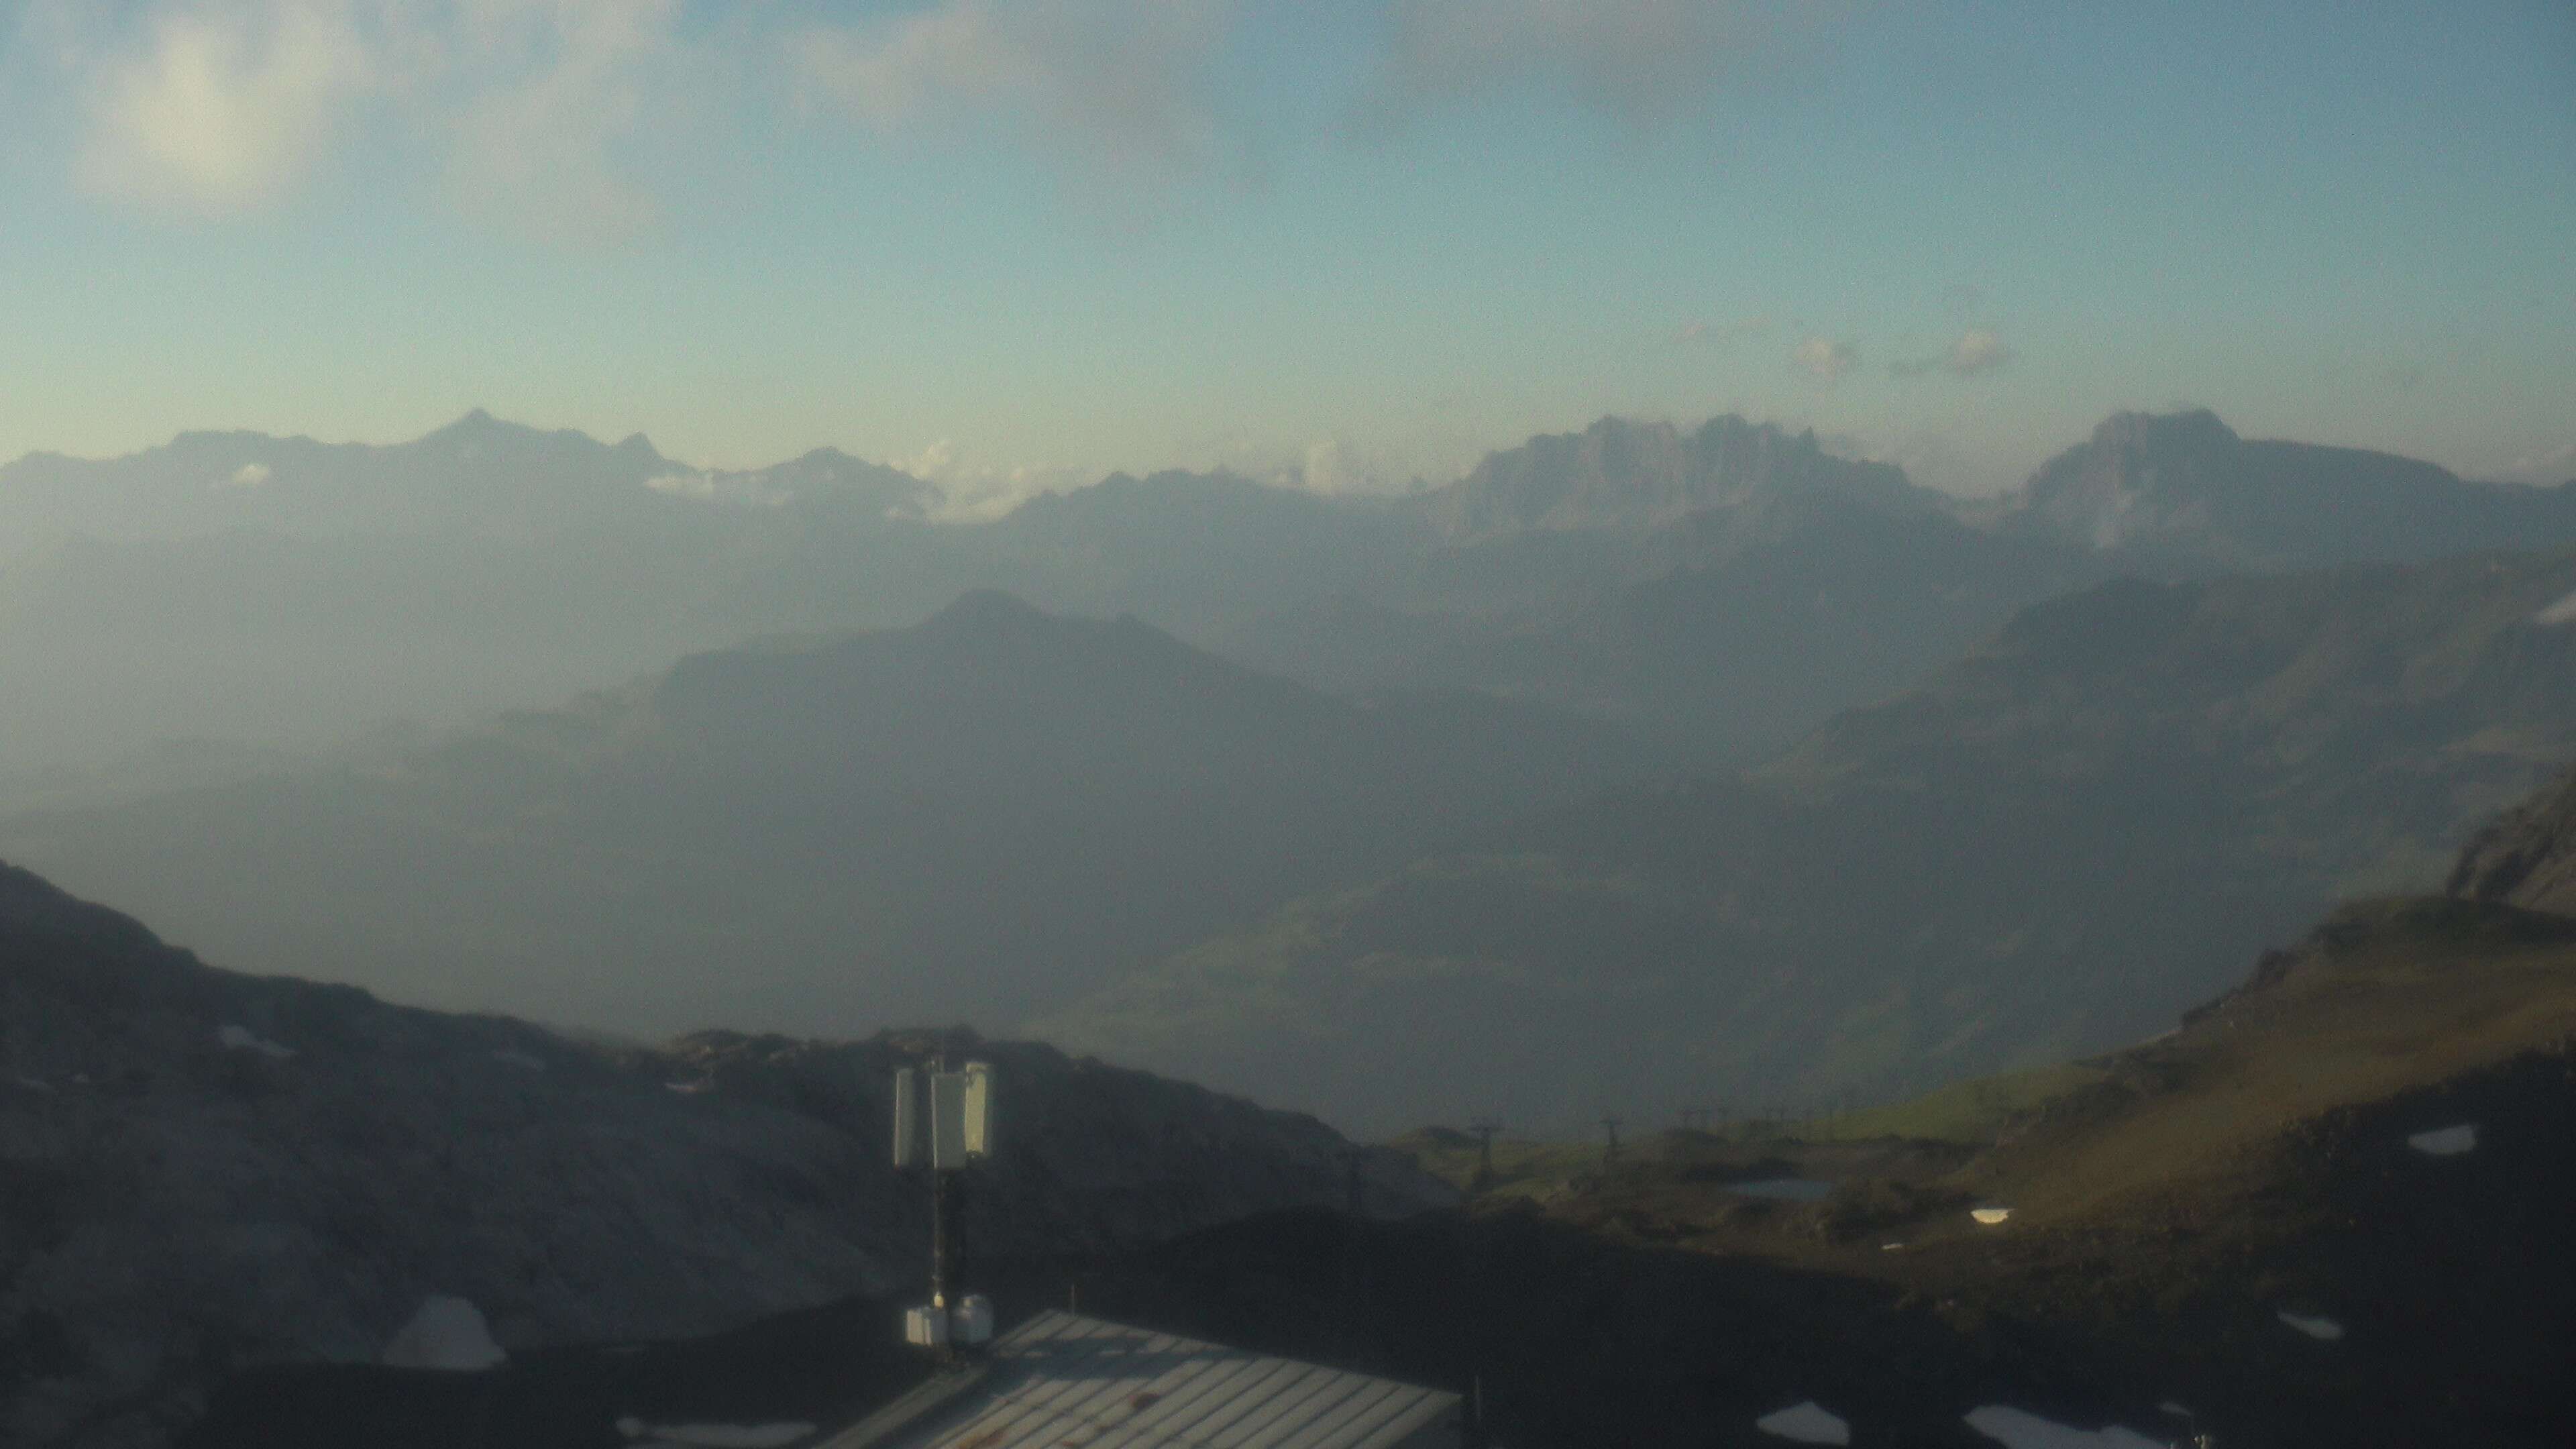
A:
547,116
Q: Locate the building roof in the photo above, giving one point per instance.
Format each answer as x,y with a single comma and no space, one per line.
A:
1062,1378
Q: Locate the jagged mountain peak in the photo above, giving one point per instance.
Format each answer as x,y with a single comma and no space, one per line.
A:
2183,428
2183,490
1624,472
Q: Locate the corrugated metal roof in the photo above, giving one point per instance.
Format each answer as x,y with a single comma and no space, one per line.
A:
1062,1379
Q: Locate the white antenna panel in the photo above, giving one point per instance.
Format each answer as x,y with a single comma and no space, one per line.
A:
961,1116
979,1109
908,1116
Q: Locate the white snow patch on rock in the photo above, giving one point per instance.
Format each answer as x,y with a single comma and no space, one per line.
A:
2177,1410
2021,1429
2562,612
243,1039
2312,1324
1990,1215
686,1089
447,1333
2446,1141
717,1436
37,1085
1807,1423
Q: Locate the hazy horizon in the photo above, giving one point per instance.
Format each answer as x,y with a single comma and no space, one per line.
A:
1003,245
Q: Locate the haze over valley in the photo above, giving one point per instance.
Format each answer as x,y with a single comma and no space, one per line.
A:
1798,782
1404,724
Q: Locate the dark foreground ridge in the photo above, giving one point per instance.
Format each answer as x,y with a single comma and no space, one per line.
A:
202,1171
2243,1218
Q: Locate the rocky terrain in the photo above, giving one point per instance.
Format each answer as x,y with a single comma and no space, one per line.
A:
201,1170
2325,1210
2528,856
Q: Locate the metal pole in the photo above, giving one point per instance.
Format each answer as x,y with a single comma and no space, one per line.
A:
938,1238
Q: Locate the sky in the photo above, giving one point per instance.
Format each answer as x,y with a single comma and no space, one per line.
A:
1011,243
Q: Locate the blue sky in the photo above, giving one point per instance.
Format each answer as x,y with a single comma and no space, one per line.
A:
1014,242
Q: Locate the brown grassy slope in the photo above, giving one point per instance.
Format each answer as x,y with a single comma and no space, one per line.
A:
2528,856
2385,997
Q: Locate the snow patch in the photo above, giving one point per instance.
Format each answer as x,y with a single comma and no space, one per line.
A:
248,475
447,1333
2177,1410
2446,1141
2021,1429
2562,612
2312,1324
1807,1423
1990,1215
37,1085
516,1058
242,1038
1889,1247
716,1436
683,485
686,1089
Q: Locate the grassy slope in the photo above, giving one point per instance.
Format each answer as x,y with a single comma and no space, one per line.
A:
2393,996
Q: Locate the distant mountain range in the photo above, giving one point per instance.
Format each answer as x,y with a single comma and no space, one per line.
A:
2048,848
979,816
2181,491
1344,779
1729,586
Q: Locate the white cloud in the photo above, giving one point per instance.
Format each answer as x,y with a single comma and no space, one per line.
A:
1642,61
974,493
197,106
1825,358
1124,86
1334,467
1978,350
684,485
557,86
217,109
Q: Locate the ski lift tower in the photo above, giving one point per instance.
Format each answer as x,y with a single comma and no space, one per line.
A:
1485,1128
943,1120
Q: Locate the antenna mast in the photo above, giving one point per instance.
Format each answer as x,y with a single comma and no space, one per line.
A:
943,1120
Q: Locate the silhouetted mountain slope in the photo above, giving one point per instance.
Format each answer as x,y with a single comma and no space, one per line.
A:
1194,553
1729,586
201,1170
2182,490
2326,1210
1732,586
283,591
979,815
2050,847
1623,474
476,477
2527,857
